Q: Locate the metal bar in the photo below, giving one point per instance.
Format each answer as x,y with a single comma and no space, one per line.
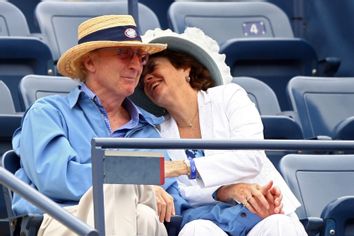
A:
225,144
44,203
133,10
97,189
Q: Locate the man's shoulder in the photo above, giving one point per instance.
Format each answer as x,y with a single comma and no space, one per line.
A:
50,101
149,117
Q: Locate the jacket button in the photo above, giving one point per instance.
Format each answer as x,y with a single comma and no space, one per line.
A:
243,214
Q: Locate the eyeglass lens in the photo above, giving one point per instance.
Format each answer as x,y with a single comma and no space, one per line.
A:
128,53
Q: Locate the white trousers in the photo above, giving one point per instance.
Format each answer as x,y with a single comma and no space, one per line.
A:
129,210
274,225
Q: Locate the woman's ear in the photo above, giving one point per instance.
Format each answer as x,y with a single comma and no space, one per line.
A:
187,71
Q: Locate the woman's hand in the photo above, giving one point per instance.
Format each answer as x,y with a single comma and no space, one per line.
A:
165,205
261,200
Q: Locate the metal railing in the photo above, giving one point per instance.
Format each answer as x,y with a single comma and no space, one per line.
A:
99,144
44,203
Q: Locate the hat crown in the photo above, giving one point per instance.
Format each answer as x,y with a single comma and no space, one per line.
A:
104,22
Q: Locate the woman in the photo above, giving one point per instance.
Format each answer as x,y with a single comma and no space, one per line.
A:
181,80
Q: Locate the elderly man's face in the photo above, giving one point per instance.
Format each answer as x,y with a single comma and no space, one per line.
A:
115,70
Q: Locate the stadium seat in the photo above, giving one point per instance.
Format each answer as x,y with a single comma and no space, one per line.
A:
6,102
58,21
8,124
274,61
323,104
345,129
20,56
12,21
33,87
277,125
257,39
316,180
238,19
338,217
19,225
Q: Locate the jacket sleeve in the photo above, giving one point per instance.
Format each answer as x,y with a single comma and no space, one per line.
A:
242,121
235,220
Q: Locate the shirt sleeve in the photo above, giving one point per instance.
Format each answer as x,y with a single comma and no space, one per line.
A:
48,158
243,122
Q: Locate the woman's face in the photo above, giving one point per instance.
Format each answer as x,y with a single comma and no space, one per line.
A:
162,80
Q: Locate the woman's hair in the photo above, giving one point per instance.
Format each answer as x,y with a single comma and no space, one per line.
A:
200,78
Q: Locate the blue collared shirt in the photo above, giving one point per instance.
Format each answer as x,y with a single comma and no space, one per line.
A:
54,144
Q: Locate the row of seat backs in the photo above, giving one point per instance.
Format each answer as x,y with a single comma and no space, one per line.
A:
256,38
58,21
22,54
324,106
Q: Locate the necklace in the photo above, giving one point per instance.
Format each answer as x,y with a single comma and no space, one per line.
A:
189,124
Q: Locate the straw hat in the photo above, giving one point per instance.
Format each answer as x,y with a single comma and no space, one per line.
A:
102,32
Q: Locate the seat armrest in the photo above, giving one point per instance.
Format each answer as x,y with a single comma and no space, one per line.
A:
345,129
174,226
338,216
312,225
328,66
25,225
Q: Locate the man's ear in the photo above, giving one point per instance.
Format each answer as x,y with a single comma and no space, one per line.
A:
88,62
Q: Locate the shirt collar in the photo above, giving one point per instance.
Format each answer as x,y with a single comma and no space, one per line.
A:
135,111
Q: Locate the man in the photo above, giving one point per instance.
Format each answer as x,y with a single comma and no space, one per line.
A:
54,140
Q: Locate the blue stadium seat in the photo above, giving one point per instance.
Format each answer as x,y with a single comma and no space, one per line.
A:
316,180
6,102
338,217
323,104
12,21
345,129
33,87
226,20
256,38
58,21
274,61
276,125
19,225
20,56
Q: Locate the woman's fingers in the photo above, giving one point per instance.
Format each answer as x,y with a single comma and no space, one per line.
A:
261,199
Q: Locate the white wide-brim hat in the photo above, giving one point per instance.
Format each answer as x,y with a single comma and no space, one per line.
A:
103,32
195,43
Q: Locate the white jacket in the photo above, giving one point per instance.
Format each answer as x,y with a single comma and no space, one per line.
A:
226,112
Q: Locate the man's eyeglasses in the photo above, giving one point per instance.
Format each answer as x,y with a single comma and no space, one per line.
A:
129,53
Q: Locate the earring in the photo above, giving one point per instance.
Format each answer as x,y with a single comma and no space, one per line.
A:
188,79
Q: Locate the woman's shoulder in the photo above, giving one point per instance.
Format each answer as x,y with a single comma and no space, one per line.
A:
225,89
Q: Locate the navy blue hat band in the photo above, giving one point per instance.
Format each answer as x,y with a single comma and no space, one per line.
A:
119,33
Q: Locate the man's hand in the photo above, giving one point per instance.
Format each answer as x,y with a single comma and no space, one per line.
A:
175,168
165,205
261,200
